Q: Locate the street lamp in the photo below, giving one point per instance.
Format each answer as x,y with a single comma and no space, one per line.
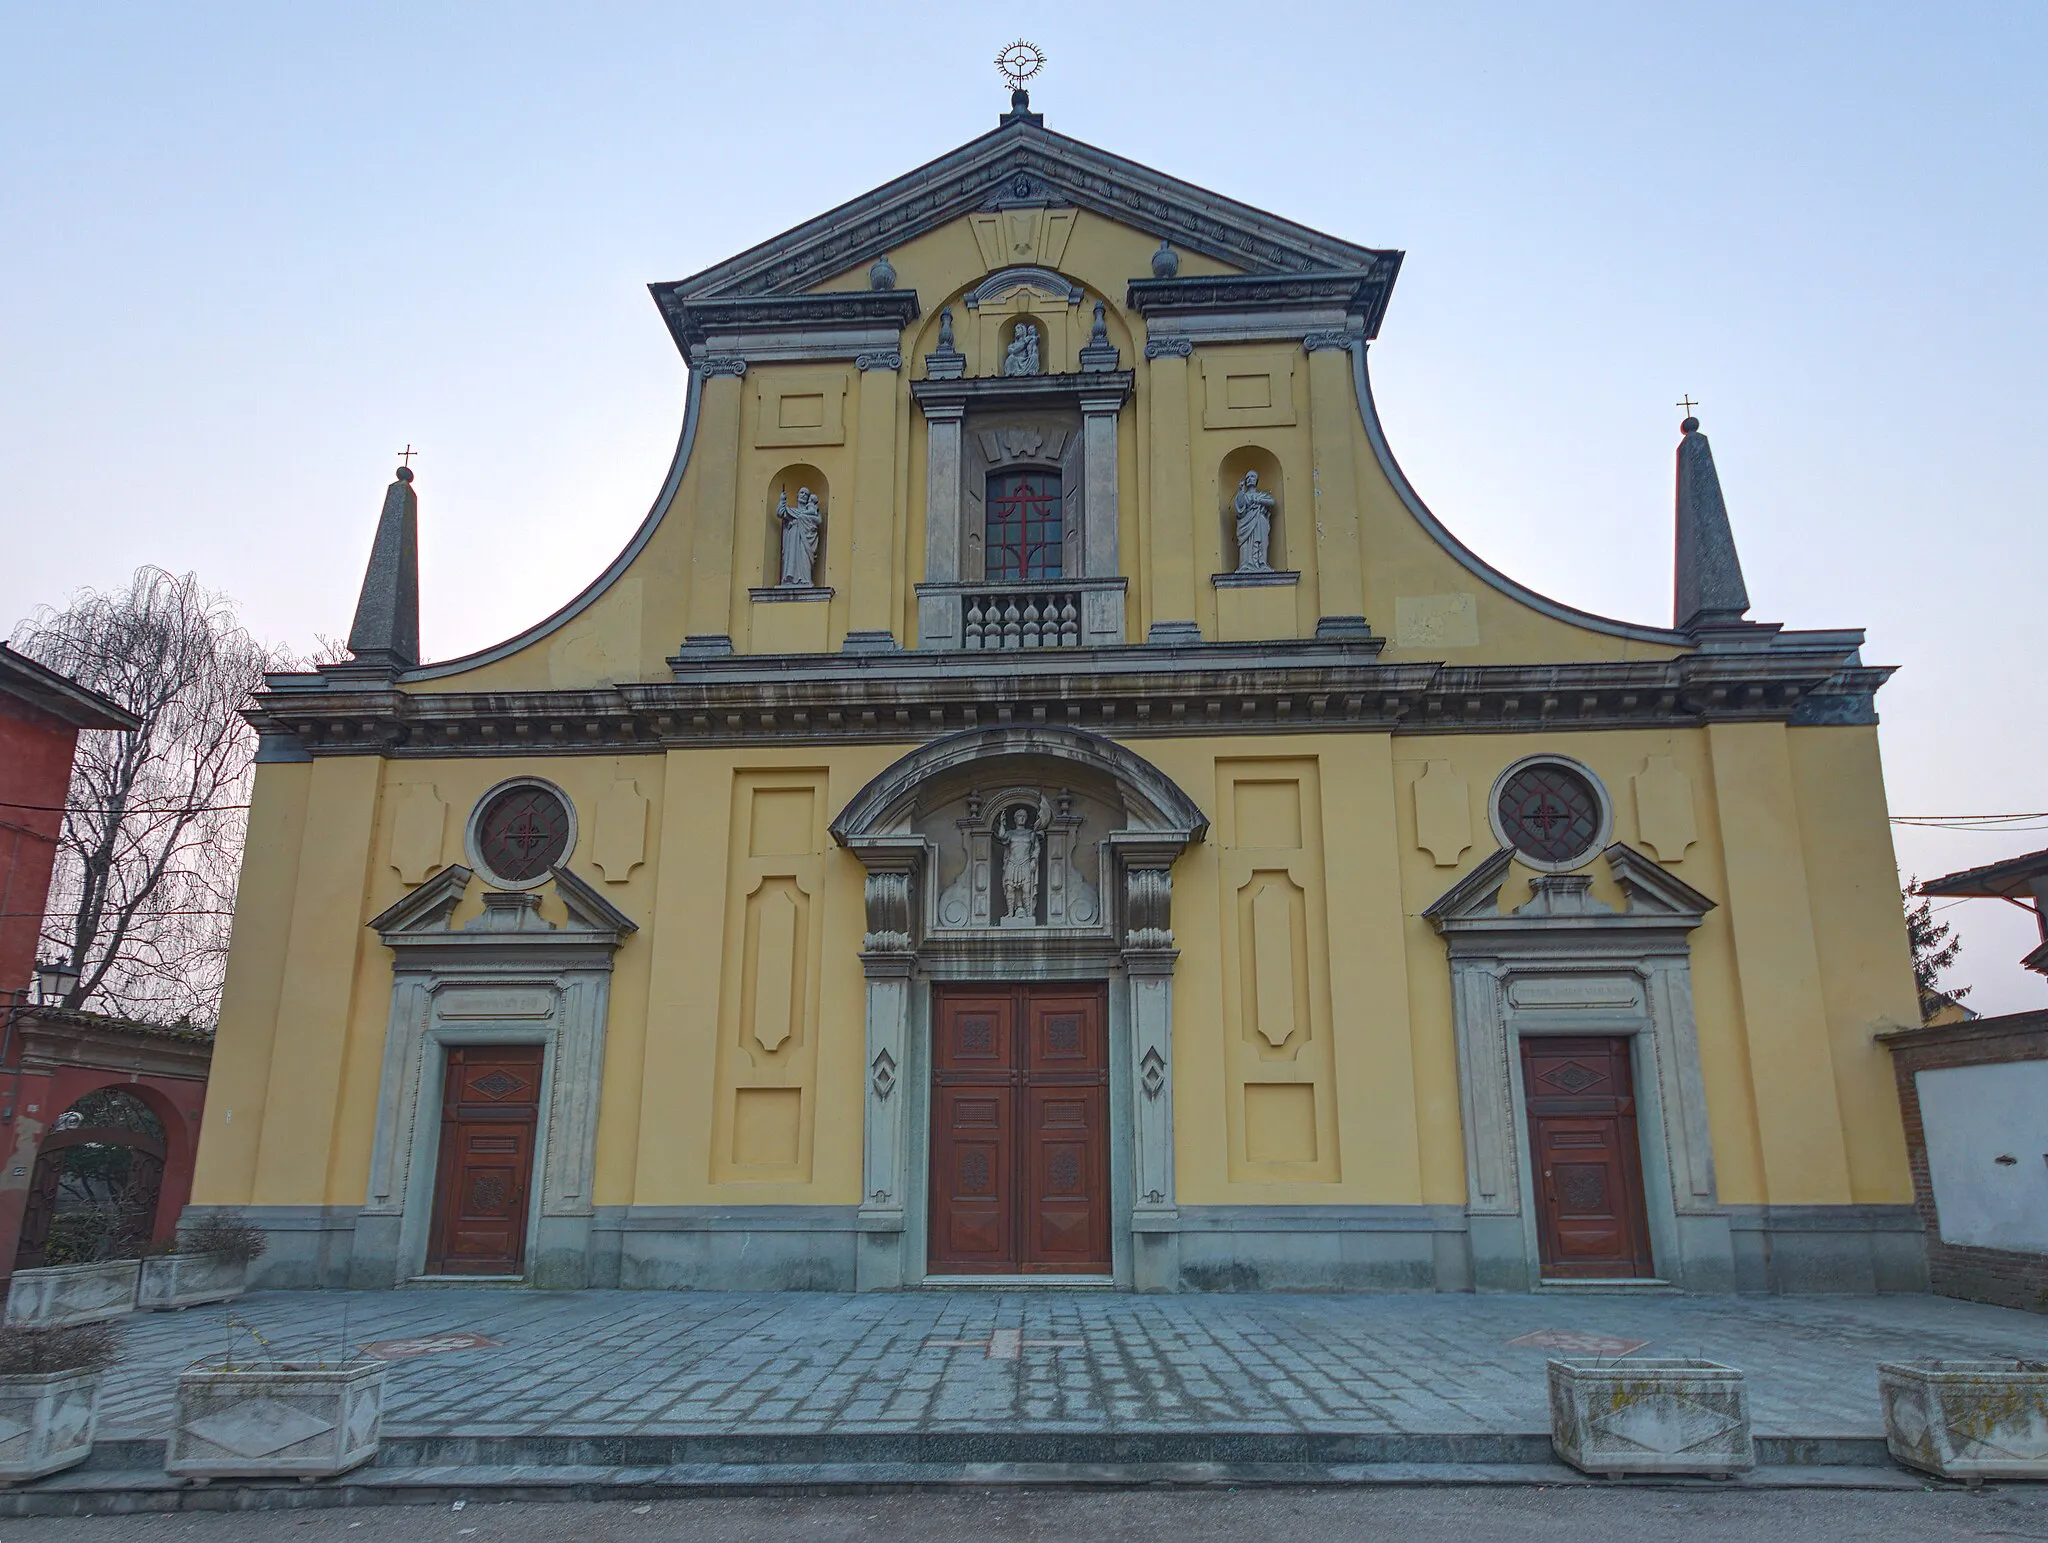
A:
55,982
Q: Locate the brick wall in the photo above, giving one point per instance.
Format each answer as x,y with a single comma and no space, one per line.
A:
1999,1276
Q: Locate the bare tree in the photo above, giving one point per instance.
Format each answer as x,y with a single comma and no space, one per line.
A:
144,887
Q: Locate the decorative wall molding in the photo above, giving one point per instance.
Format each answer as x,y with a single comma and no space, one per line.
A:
1284,686
1168,348
711,366
890,359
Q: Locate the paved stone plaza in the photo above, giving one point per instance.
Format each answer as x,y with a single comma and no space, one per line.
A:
661,1364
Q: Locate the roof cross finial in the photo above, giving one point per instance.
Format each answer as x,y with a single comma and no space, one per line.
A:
1687,403
1019,62
405,456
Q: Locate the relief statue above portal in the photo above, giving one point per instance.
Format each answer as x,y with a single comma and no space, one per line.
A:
1021,357
1020,869
1013,857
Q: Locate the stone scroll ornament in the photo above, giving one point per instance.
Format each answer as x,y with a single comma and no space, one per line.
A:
1021,357
1254,525
800,528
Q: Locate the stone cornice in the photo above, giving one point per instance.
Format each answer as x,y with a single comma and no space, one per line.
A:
1130,692
728,322
1020,390
1362,292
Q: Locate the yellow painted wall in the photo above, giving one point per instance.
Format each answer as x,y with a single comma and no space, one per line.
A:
1345,528
1302,909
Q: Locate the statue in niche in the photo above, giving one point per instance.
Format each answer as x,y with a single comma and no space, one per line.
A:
1021,358
800,528
1254,525
1020,869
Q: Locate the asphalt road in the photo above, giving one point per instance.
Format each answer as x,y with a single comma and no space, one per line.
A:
1467,1515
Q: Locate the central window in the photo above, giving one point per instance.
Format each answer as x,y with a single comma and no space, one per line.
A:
1026,530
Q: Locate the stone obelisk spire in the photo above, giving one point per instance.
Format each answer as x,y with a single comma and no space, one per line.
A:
386,634
1708,590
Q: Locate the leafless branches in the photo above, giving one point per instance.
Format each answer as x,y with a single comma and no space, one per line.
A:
152,838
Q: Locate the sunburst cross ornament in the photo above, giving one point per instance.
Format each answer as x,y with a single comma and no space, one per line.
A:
1019,62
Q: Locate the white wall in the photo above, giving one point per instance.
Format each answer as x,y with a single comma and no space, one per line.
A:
1975,1115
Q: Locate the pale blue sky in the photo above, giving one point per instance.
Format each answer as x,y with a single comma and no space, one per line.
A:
247,251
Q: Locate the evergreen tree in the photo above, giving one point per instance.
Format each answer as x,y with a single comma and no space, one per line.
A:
1934,950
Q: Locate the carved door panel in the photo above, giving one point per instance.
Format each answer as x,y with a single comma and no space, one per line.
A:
974,1130
1020,1095
1065,1199
1590,1219
489,1114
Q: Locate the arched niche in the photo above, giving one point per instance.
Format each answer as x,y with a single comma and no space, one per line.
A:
790,481
1229,473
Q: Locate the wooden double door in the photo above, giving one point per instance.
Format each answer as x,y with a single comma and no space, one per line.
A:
1590,1220
490,1112
1019,1118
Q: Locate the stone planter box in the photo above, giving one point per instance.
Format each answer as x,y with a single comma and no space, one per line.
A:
286,1420
46,1422
1649,1416
186,1280
62,1294
1967,1419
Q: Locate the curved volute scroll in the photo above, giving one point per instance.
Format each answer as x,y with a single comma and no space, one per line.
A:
1019,830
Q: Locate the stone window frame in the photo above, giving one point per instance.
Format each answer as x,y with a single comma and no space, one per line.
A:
472,832
1603,834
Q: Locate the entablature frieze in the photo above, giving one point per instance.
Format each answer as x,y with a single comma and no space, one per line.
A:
1128,692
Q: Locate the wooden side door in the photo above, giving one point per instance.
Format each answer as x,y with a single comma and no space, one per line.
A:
490,1109
1065,1192
1591,1222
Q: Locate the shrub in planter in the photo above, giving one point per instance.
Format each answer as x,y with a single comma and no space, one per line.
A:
1970,1420
49,1396
274,1418
209,1262
54,1296
1649,1416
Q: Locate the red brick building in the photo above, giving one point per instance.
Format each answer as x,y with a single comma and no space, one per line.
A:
41,713
88,1102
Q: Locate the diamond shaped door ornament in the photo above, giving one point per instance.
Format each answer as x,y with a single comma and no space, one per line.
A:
1571,1077
497,1083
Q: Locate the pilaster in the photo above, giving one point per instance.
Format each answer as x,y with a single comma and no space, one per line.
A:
873,554
1777,964
316,999
938,616
1333,417
718,452
1170,548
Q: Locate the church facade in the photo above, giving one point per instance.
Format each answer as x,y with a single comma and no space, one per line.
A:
1042,798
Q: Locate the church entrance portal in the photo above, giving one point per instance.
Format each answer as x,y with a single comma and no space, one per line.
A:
1019,1121
1590,1219
489,1111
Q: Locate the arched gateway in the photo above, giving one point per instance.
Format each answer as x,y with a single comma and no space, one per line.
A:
1019,960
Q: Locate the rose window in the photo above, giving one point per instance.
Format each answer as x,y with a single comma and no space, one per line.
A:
1550,813
523,833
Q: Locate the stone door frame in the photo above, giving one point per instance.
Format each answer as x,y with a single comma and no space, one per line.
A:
903,956
1566,964
508,977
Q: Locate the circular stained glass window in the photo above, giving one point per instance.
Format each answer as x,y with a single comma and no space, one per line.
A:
1550,813
522,832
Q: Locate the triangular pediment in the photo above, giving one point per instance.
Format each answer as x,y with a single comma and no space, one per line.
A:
1020,165
429,908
